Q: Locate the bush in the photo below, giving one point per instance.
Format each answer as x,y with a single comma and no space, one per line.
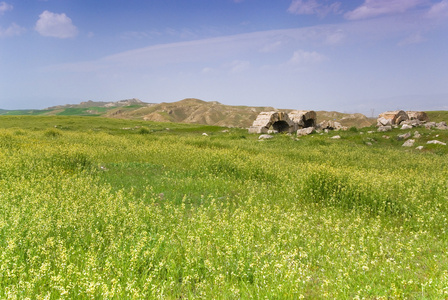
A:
143,130
52,133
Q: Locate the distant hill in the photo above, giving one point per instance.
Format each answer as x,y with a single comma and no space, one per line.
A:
189,110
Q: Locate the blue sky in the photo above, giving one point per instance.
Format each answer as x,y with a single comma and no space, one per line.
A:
350,56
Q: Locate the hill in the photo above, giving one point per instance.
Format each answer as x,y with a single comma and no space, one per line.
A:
190,110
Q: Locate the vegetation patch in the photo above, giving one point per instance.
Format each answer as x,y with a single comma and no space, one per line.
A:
117,209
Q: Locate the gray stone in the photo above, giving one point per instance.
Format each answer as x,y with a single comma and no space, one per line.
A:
429,125
384,128
413,123
417,135
409,143
436,142
404,136
336,137
305,131
419,148
265,137
384,122
406,126
442,126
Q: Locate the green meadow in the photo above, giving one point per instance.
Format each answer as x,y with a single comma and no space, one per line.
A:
96,208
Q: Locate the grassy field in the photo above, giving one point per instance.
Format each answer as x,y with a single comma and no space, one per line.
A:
118,209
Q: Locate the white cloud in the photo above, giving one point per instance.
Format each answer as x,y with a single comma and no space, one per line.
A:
272,47
207,70
414,38
55,25
238,66
373,8
4,7
313,7
335,37
301,57
12,30
438,10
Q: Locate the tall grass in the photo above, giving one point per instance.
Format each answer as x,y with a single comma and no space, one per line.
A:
169,214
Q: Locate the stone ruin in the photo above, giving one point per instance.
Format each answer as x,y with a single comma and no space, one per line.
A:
407,120
390,118
275,121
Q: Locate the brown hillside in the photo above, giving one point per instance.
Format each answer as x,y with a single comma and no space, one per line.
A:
198,112
348,120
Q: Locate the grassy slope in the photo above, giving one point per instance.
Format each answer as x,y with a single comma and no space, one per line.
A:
102,208
438,116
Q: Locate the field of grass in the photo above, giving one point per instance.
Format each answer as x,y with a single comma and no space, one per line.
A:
119,209
438,116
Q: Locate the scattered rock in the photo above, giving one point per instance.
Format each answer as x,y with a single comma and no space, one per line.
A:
419,148
386,137
272,131
406,126
404,136
409,143
429,125
336,137
384,128
442,126
204,134
436,142
370,131
413,123
417,135
265,137
369,144
384,122
305,131
330,125
225,131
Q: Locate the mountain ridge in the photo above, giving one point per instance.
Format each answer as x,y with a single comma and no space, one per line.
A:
188,110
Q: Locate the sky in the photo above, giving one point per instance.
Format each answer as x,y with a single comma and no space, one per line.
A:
364,56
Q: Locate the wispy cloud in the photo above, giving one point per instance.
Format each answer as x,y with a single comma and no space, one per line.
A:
238,66
4,7
55,25
301,57
414,38
260,48
212,50
439,10
12,30
373,8
313,7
